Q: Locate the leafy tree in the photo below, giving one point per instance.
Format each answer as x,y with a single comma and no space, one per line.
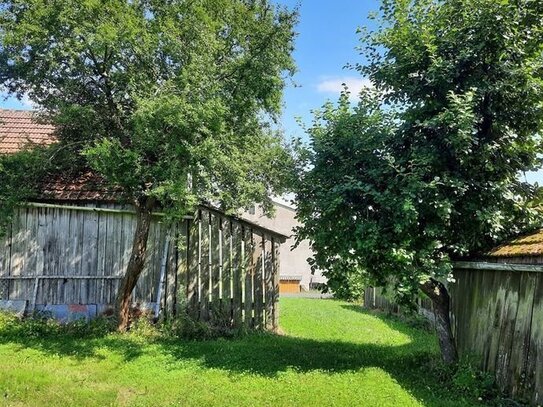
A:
171,100
426,168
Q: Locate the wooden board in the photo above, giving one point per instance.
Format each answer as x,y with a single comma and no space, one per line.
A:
79,255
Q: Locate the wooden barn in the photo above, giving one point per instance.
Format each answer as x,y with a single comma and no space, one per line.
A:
66,251
497,313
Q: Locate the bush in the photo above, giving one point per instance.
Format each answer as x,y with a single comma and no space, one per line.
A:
41,324
468,381
183,326
472,382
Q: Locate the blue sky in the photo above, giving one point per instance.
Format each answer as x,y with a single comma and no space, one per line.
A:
325,44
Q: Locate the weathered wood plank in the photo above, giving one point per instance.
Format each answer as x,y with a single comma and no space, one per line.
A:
205,266
269,295
533,389
276,276
238,271
215,266
258,281
192,292
225,255
517,377
249,266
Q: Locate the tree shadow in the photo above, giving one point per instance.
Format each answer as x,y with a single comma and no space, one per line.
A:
267,355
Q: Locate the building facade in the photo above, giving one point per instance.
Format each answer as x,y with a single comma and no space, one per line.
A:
295,269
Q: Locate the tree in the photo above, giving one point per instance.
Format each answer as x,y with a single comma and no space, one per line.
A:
171,100
425,169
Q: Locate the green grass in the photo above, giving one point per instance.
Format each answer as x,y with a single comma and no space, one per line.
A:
332,354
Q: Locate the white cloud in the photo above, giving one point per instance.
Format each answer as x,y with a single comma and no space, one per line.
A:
336,84
10,101
27,103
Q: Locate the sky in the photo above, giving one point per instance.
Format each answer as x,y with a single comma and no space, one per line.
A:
325,43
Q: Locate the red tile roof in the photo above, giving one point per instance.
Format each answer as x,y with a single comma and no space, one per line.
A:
86,186
19,128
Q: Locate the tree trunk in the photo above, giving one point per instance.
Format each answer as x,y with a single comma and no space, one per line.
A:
144,208
439,295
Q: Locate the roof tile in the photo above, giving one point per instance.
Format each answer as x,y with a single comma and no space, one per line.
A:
19,128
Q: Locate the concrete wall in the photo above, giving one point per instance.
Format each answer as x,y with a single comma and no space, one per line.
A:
293,261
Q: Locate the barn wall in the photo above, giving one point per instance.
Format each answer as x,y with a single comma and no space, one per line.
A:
216,266
498,317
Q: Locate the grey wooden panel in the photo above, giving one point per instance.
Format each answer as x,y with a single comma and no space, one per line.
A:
226,268
215,259
519,376
533,387
276,274
5,252
220,261
238,272
269,286
499,317
249,267
193,267
205,265
258,281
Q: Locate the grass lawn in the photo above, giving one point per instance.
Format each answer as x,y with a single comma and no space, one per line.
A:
332,354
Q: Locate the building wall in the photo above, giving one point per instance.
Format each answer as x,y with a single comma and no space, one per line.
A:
293,260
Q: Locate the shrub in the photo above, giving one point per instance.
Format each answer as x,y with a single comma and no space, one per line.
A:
468,381
42,324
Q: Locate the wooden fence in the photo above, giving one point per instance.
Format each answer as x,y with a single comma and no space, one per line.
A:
375,298
212,265
497,313
497,318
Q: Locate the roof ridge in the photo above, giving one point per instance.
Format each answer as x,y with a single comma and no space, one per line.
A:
4,109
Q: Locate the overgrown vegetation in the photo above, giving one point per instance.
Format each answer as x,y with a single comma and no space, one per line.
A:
331,353
171,101
426,167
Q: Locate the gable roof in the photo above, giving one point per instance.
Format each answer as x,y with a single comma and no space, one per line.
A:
85,186
530,245
19,128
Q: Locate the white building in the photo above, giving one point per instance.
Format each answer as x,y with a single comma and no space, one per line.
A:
295,269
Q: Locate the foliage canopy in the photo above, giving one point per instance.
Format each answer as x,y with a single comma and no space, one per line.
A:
171,100
425,169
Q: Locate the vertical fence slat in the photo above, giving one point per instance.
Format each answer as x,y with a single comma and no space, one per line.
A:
215,265
204,266
193,268
534,359
268,282
249,276
518,375
276,276
258,269
226,269
236,254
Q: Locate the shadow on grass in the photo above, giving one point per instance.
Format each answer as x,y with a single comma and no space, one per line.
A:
263,354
